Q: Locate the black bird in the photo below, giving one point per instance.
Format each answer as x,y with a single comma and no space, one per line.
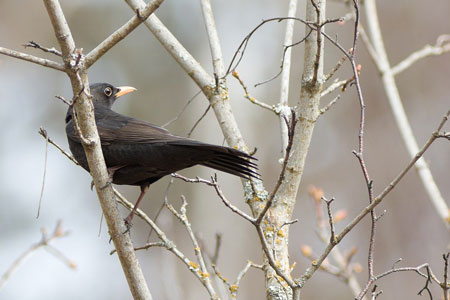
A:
139,153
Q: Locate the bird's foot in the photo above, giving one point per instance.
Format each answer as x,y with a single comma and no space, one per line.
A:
128,223
108,183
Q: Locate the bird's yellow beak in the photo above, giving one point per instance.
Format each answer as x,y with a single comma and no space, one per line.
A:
123,90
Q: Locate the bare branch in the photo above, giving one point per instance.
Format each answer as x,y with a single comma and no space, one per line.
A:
234,287
329,105
77,73
250,98
36,60
372,53
442,46
166,243
400,116
150,245
283,108
291,126
35,45
285,49
445,284
335,68
429,276
198,121
174,47
182,110
121,33
43,132
335,85
202,271
343,269
330,219
377,200
219,192
213,37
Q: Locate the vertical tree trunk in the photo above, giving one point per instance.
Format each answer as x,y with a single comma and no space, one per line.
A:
307,111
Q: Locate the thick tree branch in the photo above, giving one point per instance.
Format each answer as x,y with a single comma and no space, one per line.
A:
122,32
213,37
217,95
78,75
284,109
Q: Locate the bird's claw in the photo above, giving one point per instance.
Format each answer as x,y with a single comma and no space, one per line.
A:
108,183
128,223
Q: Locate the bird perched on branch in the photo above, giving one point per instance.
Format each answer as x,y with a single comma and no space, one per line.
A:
139,153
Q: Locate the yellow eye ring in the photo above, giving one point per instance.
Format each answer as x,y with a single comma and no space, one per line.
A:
108,91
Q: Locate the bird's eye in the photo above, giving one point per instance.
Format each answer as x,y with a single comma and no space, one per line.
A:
108,91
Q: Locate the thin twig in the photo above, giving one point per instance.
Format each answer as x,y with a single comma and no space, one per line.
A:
342,84
442,46
283,59
250,98
335,68
330,219
400,115
377,200
201,270
167,243
234,287
235,61
43,133
429,276
35,45
198,121
215,257
219,192
343,270
63,100
182,110
370,49
329,105
445,284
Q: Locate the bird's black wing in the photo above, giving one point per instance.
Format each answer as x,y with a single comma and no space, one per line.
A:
116,128
128,141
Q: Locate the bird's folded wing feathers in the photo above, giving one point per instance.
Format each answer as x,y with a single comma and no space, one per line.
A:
117,128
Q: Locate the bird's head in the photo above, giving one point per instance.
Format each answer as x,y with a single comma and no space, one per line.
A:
105,94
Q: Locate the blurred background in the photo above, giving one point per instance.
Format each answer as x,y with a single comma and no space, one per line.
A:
410,228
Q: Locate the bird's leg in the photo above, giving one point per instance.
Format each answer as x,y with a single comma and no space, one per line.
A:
144,189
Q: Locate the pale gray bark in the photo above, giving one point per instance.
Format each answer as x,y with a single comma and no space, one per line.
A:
390,86
85,114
